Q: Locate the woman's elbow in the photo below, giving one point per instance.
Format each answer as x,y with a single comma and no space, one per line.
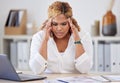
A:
35,67
84,67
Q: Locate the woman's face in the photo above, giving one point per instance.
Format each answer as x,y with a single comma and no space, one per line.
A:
60,26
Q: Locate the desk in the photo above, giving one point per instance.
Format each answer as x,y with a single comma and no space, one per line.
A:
52,76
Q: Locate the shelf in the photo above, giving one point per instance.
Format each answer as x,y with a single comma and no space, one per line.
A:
102,48
106,38
17,46
22,37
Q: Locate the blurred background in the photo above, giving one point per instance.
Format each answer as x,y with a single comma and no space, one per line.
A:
88,13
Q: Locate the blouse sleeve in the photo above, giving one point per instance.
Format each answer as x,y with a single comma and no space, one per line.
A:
37,63
84,62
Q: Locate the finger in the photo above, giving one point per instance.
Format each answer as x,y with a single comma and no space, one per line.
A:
49,22
44,24
70,22
49,29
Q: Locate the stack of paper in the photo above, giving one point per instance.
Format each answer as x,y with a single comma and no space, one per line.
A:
78,79
112,78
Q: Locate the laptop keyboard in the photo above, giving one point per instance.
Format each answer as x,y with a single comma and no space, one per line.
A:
28,77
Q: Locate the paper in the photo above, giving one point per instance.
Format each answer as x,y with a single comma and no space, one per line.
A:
51,81
77,79
99,78
112,78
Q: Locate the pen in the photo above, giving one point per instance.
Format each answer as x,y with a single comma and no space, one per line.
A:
62,81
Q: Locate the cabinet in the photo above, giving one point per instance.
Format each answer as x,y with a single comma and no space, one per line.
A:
14,42
7,39
106,54
6,45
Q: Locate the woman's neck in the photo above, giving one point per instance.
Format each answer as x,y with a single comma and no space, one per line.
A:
62,43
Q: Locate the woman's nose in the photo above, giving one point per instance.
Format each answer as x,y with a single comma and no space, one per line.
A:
59,27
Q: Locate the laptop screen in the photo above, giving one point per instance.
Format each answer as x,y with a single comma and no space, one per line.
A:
8,72
6,69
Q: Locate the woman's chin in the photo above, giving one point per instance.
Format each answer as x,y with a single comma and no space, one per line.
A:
59,36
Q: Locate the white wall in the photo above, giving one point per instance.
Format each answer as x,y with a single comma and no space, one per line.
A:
85,11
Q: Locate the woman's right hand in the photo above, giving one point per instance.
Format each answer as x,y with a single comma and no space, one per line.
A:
47,29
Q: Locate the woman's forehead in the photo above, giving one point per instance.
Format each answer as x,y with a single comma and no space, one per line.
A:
60,18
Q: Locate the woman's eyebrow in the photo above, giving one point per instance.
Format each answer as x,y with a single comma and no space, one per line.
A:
54,22
63,22
60,23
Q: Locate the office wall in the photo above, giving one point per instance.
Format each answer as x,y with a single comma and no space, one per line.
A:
85,11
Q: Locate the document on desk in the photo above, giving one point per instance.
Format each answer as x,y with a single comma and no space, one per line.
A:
78,79
112,78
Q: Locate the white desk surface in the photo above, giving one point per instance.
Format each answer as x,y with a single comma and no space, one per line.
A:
51,76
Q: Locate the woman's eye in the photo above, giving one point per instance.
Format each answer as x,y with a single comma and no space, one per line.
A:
63,24
54,24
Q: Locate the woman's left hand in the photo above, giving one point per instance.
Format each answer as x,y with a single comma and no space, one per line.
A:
74,30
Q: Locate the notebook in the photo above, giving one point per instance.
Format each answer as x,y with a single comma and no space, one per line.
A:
8,72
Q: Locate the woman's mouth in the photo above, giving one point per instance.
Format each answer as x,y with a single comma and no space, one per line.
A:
59,33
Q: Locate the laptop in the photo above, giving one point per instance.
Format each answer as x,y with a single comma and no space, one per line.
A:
8,72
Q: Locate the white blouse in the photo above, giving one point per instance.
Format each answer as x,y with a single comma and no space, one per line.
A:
61,63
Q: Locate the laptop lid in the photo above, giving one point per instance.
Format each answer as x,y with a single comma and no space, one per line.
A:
8,72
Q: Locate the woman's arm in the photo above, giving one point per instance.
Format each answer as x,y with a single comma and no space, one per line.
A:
83,49
38,52
83,62
47,30
43,47
79,50
37,62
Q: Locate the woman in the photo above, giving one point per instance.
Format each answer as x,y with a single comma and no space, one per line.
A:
61,46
